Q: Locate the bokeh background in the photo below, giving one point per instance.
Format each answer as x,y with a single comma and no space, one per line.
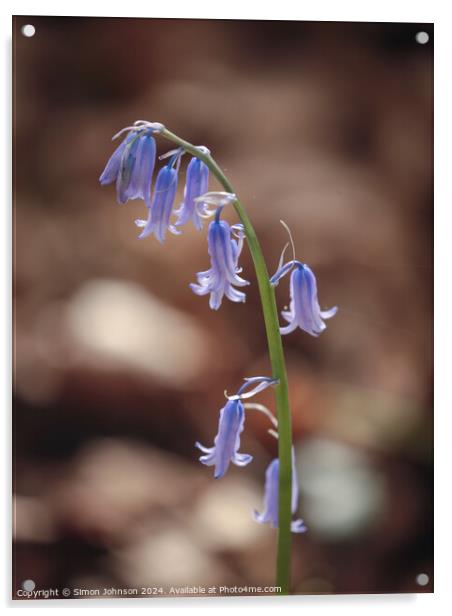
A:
119,368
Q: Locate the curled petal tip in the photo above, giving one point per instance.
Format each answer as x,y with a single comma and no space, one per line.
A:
298,526
327,314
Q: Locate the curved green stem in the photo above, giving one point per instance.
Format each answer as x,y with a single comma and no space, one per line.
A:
276,353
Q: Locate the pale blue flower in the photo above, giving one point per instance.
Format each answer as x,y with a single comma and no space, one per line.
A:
161,206
131,166
224,253
231,424
196,184
304,310
271,501
227,441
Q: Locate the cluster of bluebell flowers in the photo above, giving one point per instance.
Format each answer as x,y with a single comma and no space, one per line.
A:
132,165
131,168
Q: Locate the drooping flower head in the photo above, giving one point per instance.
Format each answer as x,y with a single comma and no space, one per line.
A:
271,501
304,310
227,441
162,202
196,184
231,424
131,165
224,253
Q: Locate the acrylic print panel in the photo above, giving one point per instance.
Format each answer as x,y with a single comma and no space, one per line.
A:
133,318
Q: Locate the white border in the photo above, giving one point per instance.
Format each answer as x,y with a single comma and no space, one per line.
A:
329,10
384,10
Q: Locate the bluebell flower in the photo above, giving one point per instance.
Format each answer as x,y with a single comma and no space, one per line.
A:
271,501
196,184
224,253
161,206
131,166
304,310
231,424
227,441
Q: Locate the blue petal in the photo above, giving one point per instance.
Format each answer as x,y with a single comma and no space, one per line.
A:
227,441
196,185
271,501
161,205
110,173
304,309
141,179
126,166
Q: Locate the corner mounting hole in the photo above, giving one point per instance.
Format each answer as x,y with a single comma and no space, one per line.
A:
422,579
422,38
28,30
28,585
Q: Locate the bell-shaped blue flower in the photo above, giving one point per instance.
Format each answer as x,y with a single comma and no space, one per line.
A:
110,173
271,501
131,166
161,206
227,441
231,424
224,253
304,310
196,184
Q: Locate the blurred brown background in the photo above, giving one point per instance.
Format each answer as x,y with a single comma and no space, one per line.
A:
119,367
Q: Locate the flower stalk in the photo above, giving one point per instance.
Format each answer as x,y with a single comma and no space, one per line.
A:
276,353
